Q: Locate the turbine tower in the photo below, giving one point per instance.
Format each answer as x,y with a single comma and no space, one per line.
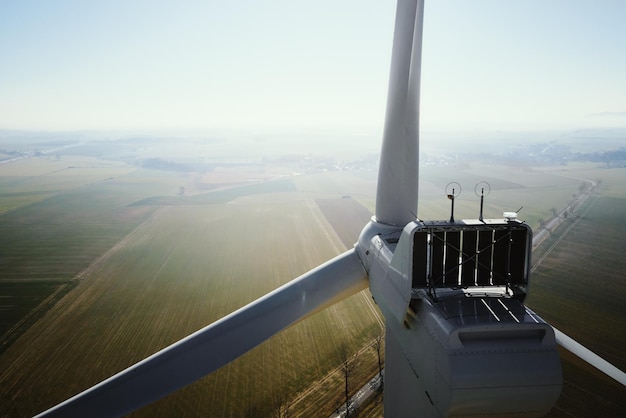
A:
459,339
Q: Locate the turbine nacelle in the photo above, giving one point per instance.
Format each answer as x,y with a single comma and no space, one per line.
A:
452,294
490,257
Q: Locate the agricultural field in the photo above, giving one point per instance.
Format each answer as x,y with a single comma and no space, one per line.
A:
579,285
535,191
586,269
31,180
56,222
185,264
346,216
103,268
50,237
182,269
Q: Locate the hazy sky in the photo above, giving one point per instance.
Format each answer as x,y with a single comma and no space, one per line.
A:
74,64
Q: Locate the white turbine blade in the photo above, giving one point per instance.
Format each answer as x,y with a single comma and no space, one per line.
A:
219,343
396,199
589,356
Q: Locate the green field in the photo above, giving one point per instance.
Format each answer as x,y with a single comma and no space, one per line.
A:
586,271
53,235
110,264
149,274
579,287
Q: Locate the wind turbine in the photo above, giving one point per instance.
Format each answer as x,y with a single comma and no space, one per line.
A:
459,339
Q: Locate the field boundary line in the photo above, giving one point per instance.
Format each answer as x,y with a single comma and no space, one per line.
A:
65,288
39,311
327,228
118,245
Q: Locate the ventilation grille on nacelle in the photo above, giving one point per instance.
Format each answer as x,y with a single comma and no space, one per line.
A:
461,255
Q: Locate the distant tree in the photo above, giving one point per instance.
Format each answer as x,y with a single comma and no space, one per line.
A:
338,407
553,211
347,367
282,410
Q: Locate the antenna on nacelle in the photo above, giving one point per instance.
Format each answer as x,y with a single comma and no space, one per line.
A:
452,194
482,185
